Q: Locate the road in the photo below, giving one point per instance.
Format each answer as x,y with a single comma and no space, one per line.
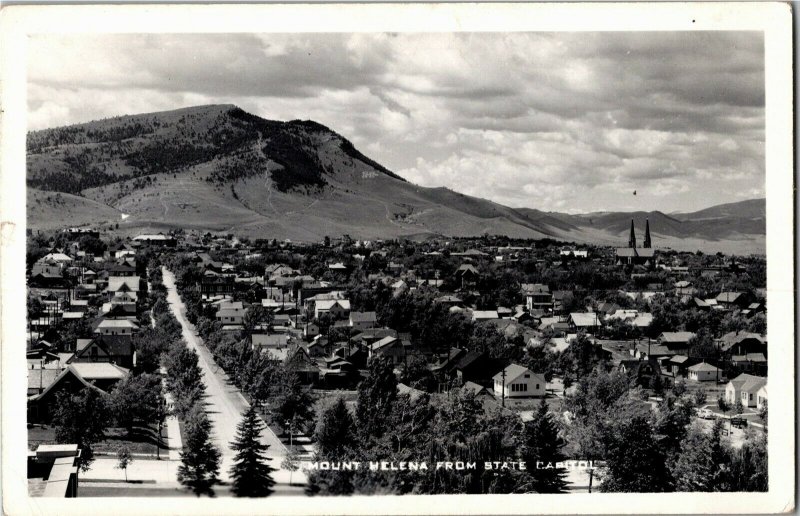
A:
224,403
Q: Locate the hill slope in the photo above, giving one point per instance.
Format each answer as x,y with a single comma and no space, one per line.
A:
219,168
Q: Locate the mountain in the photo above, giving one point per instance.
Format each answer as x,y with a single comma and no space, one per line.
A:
218,168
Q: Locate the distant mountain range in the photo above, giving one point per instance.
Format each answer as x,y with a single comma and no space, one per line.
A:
218,168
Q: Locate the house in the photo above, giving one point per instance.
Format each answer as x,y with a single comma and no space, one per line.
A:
128,284
742,343
471,367
211,285
391,347
537,296
751,363
744,388
339,308
114,349
583,321
516,381
676,341
467,275
642,370
761,397
363,320
703,372
678,365
116,327
102,376
733,300
684,288
53,471
230,312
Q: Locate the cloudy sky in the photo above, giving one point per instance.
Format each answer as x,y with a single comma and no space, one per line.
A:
557,121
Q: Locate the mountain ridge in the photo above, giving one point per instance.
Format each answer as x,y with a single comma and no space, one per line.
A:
220,168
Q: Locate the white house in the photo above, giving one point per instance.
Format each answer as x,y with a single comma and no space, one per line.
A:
761,397
519,382
339,308
745,388
703,372
230,312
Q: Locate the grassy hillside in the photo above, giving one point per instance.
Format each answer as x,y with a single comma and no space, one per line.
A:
219,168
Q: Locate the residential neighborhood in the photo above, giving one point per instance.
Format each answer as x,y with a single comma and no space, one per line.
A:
134,326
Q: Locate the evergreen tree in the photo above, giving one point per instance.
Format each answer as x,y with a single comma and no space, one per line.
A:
335,432
252,476
200,459
543,445
635,462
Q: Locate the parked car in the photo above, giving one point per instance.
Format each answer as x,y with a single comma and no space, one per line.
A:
705,413
738,422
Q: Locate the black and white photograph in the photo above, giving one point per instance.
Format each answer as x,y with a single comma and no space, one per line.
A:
297,266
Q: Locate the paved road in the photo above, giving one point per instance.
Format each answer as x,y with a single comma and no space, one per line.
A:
224,403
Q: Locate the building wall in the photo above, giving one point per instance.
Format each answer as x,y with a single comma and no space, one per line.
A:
522,387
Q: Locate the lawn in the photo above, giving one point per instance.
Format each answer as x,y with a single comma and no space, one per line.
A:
142,440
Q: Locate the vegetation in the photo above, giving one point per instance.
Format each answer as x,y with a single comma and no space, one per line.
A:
252,476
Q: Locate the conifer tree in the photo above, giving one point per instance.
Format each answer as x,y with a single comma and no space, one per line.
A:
200,460
544,446
252,476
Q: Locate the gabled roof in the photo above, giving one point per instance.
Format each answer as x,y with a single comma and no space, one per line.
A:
469,359
748,382
465,268
327,304
586,319
729,297
513,372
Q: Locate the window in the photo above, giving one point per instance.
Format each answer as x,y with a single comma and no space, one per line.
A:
527,376
537,386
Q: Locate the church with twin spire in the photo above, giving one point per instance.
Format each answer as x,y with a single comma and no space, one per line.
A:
633,255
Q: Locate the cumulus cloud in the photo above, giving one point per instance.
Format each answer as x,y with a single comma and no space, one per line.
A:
556,121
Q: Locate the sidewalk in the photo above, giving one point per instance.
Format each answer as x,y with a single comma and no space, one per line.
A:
174,440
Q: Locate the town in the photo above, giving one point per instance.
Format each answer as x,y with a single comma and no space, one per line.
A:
182,363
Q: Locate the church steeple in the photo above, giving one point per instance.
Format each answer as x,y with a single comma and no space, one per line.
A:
632,239
647,243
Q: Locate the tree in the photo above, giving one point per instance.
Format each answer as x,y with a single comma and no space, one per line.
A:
291,462
252,476
200,459
136,399
124,458
335,433
763,413
376,396
635,461
293,403
82,419
701,465
255,316
700,396
335,437
542,449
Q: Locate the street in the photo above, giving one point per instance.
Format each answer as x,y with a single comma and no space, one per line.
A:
224,403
